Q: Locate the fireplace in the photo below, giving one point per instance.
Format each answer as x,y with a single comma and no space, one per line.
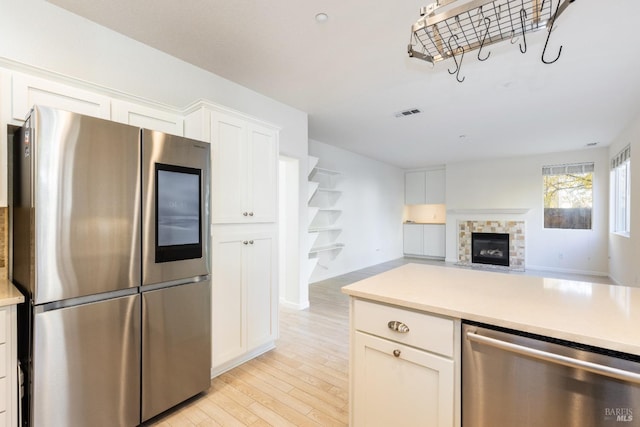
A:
490,248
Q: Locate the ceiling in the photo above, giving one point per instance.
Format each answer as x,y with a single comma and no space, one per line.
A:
351,74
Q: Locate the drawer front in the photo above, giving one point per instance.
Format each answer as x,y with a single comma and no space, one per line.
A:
425,331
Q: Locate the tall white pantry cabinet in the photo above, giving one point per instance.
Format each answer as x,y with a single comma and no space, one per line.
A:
244,169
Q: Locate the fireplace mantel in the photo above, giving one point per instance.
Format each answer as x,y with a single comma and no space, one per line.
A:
501,211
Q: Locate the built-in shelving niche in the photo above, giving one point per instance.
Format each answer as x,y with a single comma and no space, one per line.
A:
324,215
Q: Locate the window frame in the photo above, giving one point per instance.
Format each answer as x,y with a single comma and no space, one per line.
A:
621,164
567,169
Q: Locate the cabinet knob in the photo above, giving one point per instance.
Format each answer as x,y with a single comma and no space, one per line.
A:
245,213
397,326
244,242
396,353
250,213
251,242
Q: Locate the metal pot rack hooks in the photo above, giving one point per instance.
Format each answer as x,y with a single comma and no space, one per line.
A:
477,24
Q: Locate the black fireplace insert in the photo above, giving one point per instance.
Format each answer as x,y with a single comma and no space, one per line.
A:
490,248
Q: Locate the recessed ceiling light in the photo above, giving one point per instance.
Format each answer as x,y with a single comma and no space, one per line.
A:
322,17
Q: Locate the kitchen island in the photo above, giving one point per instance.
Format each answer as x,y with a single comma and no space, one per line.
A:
414,314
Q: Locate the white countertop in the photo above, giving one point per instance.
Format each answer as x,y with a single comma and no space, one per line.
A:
605,316
9,294
424,222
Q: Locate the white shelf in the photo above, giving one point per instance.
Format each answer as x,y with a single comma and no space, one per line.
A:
325,171
321,229
331,247
324,214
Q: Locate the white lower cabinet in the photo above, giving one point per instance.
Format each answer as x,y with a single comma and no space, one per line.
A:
8,367
426,240
244,297
403,378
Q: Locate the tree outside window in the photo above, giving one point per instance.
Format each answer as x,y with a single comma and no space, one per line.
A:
568,196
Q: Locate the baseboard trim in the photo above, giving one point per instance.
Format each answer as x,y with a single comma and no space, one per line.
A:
227,366
567,270
293,305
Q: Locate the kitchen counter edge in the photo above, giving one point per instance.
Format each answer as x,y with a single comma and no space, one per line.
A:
455,294
9,294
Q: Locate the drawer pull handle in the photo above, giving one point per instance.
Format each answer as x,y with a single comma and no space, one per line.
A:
396,353
394,325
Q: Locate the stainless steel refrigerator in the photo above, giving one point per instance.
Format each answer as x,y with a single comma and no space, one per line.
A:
109,243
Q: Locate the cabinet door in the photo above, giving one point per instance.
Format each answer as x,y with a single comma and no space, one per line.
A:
28,91
414,188
262,170
227,308
413,236
414,388
434,240
228,169
146,117
261,309
435,187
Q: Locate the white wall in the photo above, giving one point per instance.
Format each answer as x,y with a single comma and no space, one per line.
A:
623,251
516,183
372,204
38,34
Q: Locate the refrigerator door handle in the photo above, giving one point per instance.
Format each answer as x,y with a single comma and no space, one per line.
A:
177,282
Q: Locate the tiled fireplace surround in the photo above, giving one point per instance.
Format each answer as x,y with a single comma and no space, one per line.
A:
516,240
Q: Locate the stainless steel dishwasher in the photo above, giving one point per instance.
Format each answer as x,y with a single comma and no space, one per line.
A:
514,379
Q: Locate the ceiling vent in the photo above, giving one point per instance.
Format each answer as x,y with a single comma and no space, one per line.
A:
409,112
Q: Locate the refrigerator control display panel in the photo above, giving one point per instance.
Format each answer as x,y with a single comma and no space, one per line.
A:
178,213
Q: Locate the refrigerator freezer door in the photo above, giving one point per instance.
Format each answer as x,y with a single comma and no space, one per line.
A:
86,365
176,342
87,205
180,154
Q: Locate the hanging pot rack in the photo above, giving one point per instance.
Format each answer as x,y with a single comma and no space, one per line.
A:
478,24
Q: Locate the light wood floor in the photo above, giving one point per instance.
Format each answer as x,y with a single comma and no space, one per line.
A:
304,381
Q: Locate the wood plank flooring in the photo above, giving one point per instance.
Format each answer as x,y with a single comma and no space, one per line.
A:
303,381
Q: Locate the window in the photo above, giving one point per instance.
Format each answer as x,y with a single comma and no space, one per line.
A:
621,191
568,195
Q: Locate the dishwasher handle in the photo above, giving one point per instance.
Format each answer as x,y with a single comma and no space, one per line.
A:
571,362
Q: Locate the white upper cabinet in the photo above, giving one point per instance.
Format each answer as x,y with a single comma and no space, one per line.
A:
28,91
414,188
228,169
435,187
424,187
146,117
244,170
262,178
